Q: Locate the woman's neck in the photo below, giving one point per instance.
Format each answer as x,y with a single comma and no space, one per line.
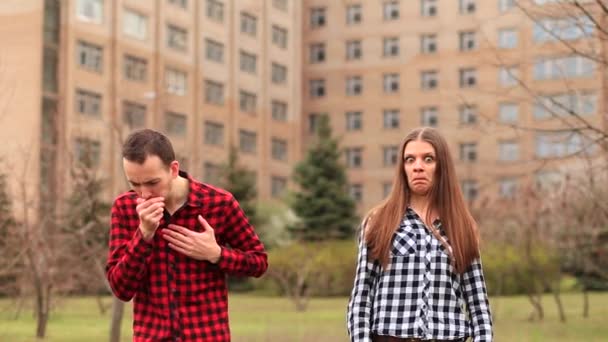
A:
421,205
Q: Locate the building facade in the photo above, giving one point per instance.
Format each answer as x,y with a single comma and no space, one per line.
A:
498,78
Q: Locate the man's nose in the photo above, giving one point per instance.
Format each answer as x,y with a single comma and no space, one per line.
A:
145,193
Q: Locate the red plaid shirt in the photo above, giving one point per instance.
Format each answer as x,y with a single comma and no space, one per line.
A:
178,298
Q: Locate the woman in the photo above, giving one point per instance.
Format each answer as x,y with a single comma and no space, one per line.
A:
419,275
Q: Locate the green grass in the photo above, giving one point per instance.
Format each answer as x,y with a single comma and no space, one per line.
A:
273,319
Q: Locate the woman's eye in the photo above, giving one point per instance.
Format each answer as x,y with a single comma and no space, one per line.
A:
428,159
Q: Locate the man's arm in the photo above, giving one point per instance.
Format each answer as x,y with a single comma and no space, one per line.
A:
246,255
128,256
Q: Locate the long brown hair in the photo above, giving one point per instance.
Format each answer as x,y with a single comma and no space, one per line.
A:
445,198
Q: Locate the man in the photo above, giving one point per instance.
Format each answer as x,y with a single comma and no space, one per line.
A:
172,242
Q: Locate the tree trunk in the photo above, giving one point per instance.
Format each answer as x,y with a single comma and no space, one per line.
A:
558,301
118,308
43,301
585,302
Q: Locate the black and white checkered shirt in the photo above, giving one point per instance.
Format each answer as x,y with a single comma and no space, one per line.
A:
419,294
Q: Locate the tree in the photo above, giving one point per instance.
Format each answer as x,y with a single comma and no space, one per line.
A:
322,202
240,181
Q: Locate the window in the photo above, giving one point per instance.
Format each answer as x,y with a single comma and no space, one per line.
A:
176,82
356,192
353,157
564,104
468,114
248,62
429,116
248,141
249,24
468,41
317,88
391,10
87,152
313,122
135,25
214,133
390,155
555,68
175,124
469,189
88,103
505,5
391,83
317,52
354,121
555,145
279,73
279,36
561,144
317,17
507,187
214,51
391,47
279,149
278,185
247,101
428,80
280,5
354,85
51,21
177,38
507,38
213,173
279,111
468,152
90,10
562,29
135,68
133,115
428,43
386,189
180,3
467,6
353,50
214,92
428,8
508,76
215,10
353,14
468,77
90,56
508,112
548,180
390,118
51,61
508,150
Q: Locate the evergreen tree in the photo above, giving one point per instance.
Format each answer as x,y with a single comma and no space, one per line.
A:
322,202
240,181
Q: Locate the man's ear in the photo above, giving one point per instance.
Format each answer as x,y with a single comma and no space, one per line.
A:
174,167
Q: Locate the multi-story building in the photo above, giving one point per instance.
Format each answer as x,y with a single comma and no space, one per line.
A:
78,75
496,78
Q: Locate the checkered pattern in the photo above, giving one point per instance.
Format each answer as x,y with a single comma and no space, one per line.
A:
178,298
419,295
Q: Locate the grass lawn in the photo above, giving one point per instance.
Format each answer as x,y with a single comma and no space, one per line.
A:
273,319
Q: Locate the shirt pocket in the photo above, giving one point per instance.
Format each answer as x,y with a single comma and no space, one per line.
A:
404,242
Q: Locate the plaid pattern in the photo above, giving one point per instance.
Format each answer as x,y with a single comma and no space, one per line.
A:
178,298
419,295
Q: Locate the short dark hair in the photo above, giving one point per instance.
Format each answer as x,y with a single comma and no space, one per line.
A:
146,142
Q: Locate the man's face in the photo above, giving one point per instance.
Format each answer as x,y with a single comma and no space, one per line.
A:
419,163
152,178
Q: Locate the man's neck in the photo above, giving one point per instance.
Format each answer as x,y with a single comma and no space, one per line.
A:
178,195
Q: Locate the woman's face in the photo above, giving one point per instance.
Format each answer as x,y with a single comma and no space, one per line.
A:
419,163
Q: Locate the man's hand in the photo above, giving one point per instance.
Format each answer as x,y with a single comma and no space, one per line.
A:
199,246
150,212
